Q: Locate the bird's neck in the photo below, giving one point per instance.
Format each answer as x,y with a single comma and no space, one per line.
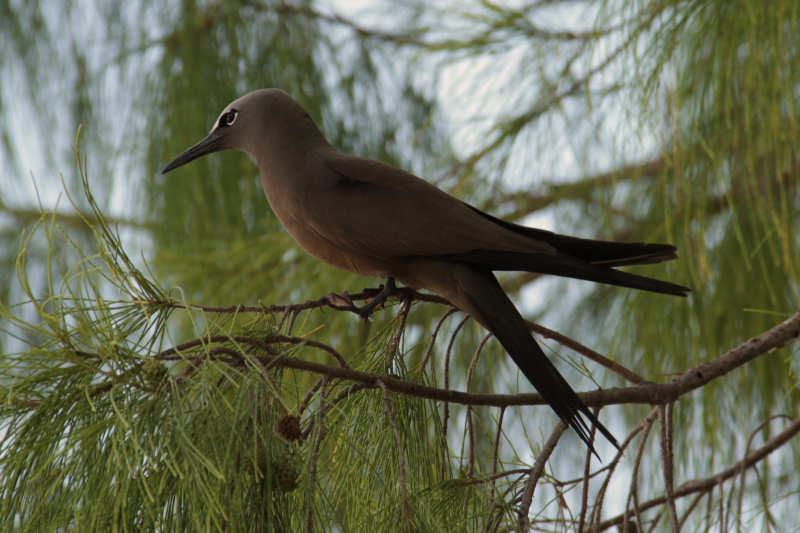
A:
286,172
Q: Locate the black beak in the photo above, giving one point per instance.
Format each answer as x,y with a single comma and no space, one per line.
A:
212,143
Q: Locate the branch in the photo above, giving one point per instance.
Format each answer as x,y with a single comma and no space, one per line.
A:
708,483
333,301
651,393
406,294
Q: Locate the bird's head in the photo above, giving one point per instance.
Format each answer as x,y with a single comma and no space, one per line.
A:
259,121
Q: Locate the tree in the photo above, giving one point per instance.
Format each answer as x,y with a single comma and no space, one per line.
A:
171,364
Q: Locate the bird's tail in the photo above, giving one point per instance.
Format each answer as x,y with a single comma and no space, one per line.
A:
578,258
482,297
561,264
608,253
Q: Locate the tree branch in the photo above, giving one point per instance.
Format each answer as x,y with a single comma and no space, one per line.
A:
708,483
408,295
651,393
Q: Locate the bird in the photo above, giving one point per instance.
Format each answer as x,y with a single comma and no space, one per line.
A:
377,220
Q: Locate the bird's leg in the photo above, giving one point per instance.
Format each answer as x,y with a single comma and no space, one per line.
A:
387,290
365,310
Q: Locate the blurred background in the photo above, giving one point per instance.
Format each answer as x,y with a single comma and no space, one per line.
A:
661,121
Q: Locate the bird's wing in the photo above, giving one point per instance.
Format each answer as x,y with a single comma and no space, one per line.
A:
367,208
370,208
596,252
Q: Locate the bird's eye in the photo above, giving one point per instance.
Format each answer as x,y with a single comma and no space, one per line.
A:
228,118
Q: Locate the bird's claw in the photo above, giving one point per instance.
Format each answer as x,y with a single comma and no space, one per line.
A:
345,302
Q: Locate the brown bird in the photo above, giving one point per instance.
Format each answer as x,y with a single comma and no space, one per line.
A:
371,218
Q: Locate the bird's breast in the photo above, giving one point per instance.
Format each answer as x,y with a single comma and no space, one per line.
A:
291,205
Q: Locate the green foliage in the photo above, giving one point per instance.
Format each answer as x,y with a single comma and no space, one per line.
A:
182,438
666,120
729,196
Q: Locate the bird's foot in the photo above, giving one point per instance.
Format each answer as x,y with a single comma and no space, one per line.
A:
345,302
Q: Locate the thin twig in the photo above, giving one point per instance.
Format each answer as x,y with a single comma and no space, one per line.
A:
709,505
598,505
474,361
495,453
470,429
743,471
294,314
310,394
447,372
471,440
535,473
587,465
710,482
429,351
394,345
729,508
284,316
330,301
587,352
176,352
308,342
690,509
633,493
667,464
